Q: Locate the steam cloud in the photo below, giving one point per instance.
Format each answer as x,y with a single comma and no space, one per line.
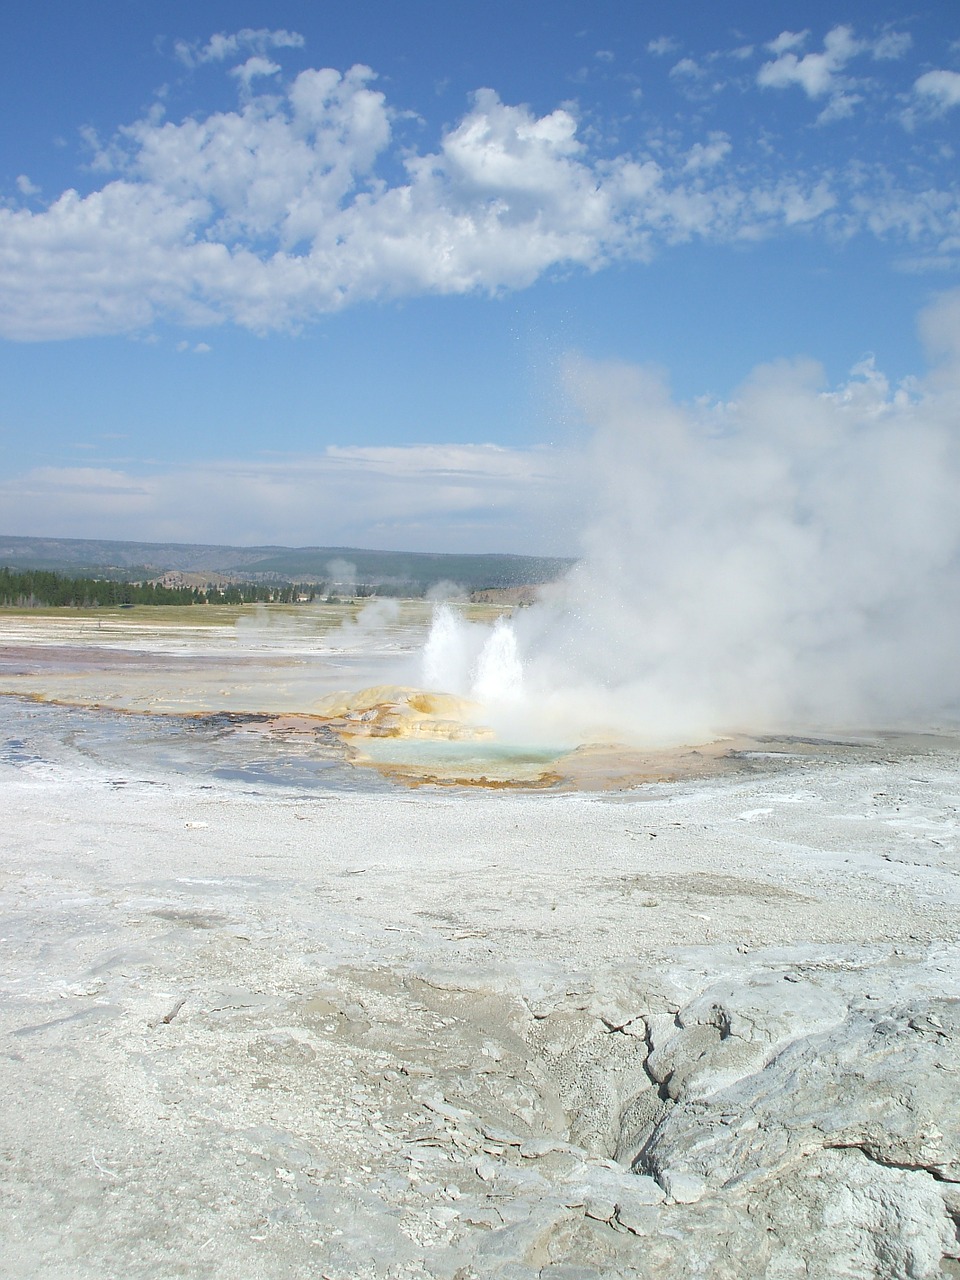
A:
788,560
343,576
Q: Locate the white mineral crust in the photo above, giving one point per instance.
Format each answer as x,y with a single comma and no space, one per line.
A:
700,1029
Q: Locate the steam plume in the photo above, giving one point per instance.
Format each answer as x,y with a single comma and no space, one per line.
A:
787,560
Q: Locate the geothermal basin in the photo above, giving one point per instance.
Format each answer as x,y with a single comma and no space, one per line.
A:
304,979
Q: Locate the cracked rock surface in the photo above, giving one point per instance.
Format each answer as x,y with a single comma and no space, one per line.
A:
695,1030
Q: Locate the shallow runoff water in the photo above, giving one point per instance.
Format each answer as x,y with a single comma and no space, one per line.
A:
142,698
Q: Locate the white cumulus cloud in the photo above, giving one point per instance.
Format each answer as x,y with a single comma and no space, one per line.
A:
815,73
302,200
823,74
705,155
939,88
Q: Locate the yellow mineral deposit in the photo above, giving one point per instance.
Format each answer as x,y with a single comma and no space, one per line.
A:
392,711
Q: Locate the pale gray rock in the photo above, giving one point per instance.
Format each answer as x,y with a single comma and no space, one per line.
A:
610,1182
522,1244
600,1208
639,1219
733,1029
683,1188
883,1081
597,1074
842,1142
536,1148
847,1216
566,1271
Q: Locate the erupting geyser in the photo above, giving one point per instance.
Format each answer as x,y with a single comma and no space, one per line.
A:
472,660
499,677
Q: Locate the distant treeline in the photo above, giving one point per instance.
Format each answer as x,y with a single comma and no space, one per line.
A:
397,573
36,587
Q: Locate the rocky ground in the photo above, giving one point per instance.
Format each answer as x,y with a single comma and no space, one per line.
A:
700,1029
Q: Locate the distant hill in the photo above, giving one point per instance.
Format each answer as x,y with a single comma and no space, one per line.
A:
418,570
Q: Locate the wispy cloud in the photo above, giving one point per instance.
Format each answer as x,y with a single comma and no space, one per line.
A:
788,40
662,46
886,473
465,497
687,68
256,66
891,45
223,47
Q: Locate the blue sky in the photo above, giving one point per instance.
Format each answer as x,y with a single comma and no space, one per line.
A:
313,273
